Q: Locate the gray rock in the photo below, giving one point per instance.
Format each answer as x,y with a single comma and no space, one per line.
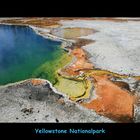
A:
137,113
23,102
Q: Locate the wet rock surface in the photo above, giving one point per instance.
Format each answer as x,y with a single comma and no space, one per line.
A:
25,102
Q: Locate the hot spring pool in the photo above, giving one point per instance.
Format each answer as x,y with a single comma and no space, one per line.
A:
23,53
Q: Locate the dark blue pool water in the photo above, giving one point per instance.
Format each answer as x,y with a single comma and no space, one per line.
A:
22,51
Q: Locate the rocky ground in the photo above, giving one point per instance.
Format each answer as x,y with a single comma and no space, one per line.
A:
35,101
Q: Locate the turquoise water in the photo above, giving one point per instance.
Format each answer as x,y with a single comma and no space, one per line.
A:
22,51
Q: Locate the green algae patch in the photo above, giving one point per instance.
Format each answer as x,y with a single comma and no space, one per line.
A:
70,87
74,88
49,69
88,91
